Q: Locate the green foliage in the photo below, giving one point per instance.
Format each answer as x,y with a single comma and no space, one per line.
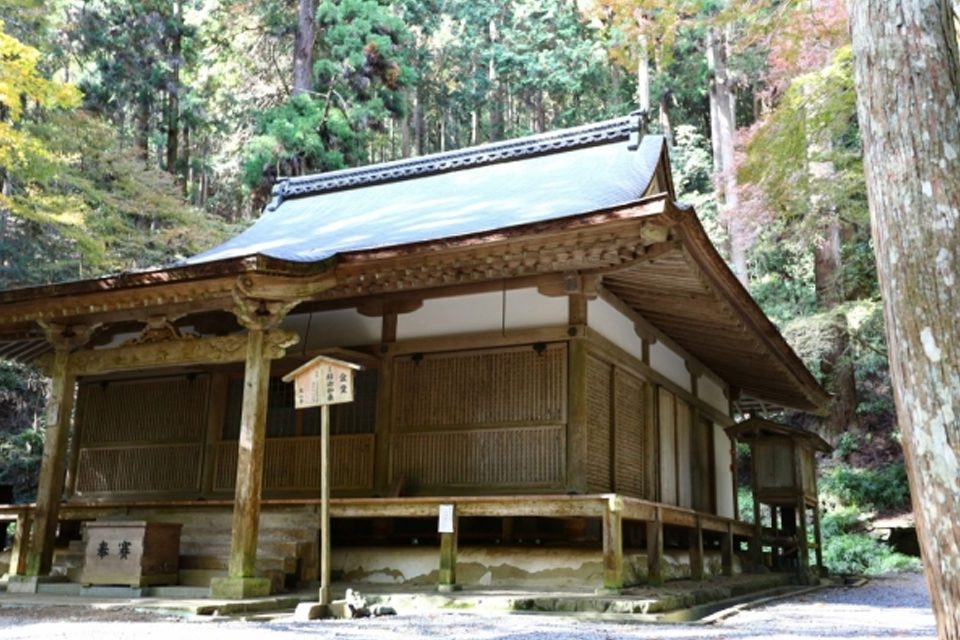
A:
857,553
21,428
881,489
745,503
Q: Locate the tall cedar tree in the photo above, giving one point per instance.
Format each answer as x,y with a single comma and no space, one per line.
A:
907,74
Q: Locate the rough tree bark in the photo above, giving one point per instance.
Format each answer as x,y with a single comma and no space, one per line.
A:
303,47
835,362
723,126
907,78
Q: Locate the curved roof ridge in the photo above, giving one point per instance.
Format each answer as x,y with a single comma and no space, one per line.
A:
622,128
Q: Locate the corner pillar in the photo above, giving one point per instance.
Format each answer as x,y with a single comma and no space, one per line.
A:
655,550
613,544
40,542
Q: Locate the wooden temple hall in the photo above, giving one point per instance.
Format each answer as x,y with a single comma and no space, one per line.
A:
550,350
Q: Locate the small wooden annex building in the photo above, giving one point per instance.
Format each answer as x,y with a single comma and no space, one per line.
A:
549,342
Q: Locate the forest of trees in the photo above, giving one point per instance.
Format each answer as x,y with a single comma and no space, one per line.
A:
134,132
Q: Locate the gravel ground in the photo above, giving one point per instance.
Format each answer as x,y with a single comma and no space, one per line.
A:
895,606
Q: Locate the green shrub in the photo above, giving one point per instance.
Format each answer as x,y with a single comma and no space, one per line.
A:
840,521
857,553
882,490
745,503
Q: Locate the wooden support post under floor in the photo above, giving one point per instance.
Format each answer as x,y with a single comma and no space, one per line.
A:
726,551
696,551
613,545
21,542
447,579
655,550
803,548
242,581
818,539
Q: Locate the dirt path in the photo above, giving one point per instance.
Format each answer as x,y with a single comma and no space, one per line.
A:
895,606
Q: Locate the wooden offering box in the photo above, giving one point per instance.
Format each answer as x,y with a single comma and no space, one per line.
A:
133,553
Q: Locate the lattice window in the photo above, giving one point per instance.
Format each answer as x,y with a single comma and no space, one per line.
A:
519,386
151,410
283,420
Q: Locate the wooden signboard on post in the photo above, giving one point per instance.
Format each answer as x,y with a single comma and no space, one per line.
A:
319,383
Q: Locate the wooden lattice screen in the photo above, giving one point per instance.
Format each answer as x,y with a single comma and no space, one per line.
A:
598,425
628,435
293,464
141,436
491,419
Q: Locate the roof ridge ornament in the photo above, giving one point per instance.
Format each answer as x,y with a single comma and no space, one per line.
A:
631,127
640,121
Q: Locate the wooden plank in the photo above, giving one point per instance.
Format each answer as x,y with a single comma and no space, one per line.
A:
577,417
50,487
655,551
613,544
818,539
480,340
246,510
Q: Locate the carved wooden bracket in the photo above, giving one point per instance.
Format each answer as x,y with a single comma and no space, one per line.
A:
259,313
160,328
67,337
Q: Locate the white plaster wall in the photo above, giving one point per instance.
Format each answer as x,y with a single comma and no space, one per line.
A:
721,447
669,364
712,393
527,309
459,314
614,326
336,328
493,311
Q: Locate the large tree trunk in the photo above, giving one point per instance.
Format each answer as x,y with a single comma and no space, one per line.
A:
173,91
303,47
908,88
723,126
836,362
497,98
643,73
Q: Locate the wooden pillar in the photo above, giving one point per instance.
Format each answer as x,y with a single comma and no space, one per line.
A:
613,544
447,579
655,550
696,551
803,547
384,425
726,551
577,419
325,563
259,317
756,545
818,540
52,467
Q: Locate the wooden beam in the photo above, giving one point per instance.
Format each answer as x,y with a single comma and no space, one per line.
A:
613,544
175,353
